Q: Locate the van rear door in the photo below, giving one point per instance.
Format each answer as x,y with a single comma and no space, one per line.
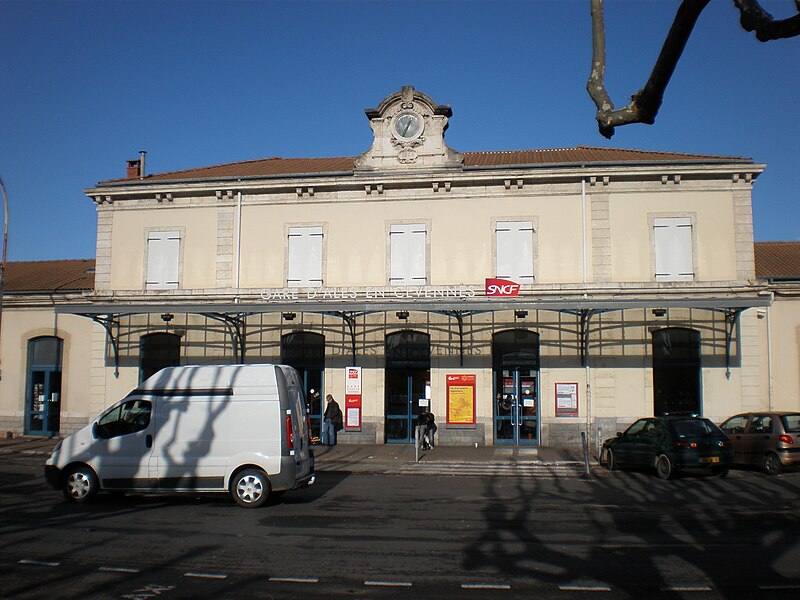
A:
295,404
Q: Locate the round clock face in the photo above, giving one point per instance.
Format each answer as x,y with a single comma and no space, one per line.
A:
407,125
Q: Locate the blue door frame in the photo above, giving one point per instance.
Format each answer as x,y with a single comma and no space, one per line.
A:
516,407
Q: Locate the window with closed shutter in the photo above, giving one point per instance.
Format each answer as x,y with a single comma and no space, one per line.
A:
514,245
163,260
305,257
672,238
408,242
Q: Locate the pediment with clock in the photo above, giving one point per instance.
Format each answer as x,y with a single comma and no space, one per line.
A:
409,134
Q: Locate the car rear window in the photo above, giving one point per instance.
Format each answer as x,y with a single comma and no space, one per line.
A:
694,428
791,423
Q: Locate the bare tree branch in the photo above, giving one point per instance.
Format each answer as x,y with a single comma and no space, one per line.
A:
645,103
755,18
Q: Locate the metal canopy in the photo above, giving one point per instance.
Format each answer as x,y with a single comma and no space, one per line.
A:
233,314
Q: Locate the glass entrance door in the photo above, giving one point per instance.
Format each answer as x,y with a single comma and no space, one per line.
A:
516,407
404,391
43,398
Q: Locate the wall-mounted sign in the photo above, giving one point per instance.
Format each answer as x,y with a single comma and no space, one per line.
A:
338,294
352,398
461,399
566,399
501,288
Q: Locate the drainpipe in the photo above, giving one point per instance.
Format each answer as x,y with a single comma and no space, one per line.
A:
238,257
769,355
583,231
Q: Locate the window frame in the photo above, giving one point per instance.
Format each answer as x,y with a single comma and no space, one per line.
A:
164,233
658,226
411,277
532,259
307,232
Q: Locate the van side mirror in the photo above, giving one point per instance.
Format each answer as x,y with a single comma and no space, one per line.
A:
95,435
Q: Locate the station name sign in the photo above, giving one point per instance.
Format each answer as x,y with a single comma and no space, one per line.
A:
338,293
493,288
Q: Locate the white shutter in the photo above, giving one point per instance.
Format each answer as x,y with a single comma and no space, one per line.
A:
514,246
673,248
305,257
407,249
163,259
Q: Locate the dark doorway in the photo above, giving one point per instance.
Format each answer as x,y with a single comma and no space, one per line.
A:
305,352
515,366
408,374
157,351
676,371
43,397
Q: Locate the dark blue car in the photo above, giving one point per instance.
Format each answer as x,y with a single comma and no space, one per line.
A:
668,444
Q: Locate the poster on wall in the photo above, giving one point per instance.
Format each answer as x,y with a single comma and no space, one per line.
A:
566,399
461,399
352,399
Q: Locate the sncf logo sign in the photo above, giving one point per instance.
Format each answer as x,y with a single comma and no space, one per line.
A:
501,287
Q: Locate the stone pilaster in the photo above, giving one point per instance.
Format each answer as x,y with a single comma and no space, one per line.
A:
225,247
105,220
601,234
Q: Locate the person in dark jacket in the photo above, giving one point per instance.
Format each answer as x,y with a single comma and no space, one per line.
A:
427,429
331,421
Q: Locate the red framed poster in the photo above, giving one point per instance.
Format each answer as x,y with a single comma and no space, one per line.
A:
352,399
461,399
566,399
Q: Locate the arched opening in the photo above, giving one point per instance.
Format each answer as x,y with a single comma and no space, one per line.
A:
408,374
515,367
305,351
676,371
158,351
43,394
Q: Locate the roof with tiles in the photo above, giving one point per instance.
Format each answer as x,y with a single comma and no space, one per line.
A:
50,276
276,166
777,260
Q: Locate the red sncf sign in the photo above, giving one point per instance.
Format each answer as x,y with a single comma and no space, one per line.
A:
501,287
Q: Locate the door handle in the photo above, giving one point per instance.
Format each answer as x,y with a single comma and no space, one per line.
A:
148,441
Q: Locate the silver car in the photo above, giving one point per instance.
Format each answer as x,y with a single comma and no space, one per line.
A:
769,439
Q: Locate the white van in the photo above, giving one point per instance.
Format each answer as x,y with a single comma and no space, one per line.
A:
241,429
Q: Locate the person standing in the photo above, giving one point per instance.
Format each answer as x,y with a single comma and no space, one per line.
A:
331,421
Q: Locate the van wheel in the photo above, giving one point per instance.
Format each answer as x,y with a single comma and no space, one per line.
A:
664,466
771,464
80,484
250,488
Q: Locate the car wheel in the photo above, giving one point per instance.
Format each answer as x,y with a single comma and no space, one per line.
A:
771,464
250,488
611,460
664,467
80,484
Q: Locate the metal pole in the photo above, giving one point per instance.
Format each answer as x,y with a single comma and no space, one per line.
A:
3,263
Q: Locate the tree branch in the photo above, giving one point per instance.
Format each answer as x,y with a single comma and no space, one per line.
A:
645,103
755,18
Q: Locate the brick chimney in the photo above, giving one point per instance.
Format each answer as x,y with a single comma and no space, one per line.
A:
136,166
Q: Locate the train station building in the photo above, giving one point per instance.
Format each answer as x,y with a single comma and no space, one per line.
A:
525,297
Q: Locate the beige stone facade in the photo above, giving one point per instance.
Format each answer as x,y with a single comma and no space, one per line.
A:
620,256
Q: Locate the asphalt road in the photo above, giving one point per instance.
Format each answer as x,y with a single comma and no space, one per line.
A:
377,535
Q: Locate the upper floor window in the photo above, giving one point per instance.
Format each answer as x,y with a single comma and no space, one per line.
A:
305,257
672,239
408,260
514,245
163,259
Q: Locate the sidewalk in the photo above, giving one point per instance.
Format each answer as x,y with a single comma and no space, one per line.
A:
383,457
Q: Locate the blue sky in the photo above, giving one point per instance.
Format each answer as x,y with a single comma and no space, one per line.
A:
85,85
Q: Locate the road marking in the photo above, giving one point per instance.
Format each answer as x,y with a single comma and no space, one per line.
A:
206,575
584,588
485,586
686,588
388,583
38,563
118,570
294,579
778,587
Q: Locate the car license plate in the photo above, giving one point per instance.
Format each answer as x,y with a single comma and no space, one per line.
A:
710,459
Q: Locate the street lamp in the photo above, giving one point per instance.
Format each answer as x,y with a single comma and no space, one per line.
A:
3,263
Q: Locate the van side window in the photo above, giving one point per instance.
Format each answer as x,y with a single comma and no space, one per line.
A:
128,417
